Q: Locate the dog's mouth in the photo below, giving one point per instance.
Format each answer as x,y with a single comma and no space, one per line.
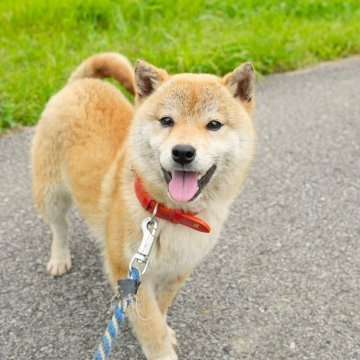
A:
185,186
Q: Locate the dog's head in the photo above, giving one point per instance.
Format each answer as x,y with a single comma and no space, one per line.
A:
192,136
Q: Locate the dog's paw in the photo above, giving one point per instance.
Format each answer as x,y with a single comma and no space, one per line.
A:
58,267
172,336
167,353
167,357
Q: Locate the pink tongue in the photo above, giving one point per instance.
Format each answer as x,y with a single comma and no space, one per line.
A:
183,185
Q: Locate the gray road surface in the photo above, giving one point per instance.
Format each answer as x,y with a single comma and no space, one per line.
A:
284,279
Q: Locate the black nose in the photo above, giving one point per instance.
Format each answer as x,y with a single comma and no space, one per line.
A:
183,154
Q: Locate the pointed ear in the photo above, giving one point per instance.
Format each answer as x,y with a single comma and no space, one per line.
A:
241,83
148,78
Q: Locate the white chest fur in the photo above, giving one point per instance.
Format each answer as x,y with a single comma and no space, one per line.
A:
179,248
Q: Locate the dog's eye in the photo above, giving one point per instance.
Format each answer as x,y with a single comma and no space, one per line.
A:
214,125
167,121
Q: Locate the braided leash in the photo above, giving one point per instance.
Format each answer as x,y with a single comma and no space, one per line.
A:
127,290
128,287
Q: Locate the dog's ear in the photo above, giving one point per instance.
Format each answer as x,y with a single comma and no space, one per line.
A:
241,83
148,78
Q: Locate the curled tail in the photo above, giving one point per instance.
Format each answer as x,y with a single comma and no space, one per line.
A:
107,65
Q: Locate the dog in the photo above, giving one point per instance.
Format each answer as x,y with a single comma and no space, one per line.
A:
187,143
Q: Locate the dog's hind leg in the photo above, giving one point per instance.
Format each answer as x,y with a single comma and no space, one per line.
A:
53,202
54,208
60,261
50,190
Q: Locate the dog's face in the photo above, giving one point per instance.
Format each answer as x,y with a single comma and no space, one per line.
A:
191,133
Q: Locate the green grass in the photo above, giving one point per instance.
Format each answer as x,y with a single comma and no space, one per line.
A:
42,41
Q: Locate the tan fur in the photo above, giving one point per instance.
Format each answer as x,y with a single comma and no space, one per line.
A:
89,146
107,65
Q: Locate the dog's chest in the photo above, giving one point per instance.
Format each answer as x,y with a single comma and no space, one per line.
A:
179,249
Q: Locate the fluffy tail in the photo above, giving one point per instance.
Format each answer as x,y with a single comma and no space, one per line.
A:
107,65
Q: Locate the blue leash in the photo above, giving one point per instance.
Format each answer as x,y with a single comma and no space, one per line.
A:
127,290
128,287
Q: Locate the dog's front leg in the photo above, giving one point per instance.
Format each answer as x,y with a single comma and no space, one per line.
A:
167,291
150,326
165,294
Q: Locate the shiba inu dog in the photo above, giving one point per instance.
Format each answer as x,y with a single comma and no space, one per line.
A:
186,145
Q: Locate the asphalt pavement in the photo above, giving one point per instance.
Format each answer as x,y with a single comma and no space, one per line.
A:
284,279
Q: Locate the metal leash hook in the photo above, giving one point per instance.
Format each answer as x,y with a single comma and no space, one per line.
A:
141,259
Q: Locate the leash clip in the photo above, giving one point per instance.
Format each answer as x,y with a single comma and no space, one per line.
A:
149,227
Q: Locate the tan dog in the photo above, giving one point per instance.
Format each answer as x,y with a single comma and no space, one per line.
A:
189,139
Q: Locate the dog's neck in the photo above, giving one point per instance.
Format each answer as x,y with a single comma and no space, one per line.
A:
175,216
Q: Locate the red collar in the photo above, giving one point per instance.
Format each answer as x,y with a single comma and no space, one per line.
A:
174,216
